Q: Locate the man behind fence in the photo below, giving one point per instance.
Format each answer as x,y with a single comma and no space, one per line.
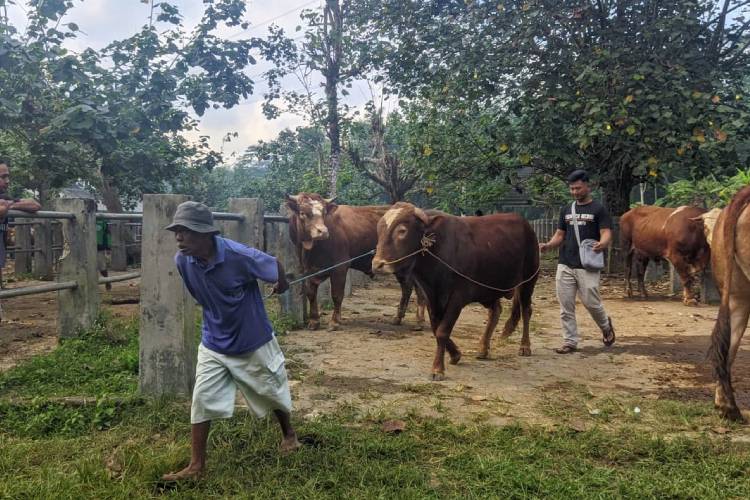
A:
238,348
9,203
593,223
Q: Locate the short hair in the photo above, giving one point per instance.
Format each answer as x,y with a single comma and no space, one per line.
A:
578,175
5,162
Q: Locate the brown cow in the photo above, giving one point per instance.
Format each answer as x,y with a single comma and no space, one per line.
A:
730,262
496,255
326,234
676,234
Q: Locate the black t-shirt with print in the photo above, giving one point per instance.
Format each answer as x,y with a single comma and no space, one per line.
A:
592,217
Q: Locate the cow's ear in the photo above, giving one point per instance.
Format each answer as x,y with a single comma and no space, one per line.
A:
331,206
421,215
292,201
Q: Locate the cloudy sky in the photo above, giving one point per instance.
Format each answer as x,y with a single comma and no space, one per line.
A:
102,21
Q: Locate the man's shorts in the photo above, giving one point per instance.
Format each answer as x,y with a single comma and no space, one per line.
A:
260,376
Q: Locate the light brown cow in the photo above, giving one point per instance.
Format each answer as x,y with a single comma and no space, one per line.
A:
326,234
730,262
654,233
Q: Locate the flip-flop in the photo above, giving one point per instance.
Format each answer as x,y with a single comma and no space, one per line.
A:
566,349
609,337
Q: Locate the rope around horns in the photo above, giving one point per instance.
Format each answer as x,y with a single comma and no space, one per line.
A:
429,239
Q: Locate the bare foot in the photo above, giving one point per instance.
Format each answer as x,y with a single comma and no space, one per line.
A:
190,472
289,445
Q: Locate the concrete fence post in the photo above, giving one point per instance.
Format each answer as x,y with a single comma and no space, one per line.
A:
44,259
277,243
78,307
168,323
119,249
22,254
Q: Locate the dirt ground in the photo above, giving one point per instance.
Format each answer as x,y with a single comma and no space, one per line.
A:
29,324
371,364
379,368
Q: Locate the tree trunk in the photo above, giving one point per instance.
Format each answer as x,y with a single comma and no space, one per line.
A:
333,76
110,195
617,195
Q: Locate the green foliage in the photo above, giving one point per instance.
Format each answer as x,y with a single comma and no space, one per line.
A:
115,117
707,192
627,89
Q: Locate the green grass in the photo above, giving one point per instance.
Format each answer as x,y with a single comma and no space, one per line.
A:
119,446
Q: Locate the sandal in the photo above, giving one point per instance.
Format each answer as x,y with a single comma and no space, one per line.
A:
566,349
608,337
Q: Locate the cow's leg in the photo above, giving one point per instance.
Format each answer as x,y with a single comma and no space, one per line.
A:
629,273
421,306
338,287
515,316
688,282
493,317
526,292
739,314
444,342
407,284
641,272
311,290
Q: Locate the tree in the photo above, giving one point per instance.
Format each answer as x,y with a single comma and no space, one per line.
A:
385,165
624,88
332,50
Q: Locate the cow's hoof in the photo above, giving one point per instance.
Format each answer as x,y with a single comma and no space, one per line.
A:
438,376
524,351
483,355
733,414
691,302
455,358
334,327
313,325
396,321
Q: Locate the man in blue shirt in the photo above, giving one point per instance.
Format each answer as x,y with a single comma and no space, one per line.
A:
238,348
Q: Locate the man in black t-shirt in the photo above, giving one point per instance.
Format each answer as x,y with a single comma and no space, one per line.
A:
9,203
572,279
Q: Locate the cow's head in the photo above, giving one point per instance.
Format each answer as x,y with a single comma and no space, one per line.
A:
709,222
309,211
400,233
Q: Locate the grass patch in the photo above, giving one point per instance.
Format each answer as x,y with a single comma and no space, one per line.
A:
119,445
351,457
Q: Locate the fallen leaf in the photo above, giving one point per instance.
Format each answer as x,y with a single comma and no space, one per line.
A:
394,426
595,411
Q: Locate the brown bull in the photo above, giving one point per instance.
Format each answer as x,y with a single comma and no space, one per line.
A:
730,262
655,233
470,259
326,234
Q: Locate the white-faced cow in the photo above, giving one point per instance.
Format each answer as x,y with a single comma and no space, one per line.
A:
326,234
470,259
654,233
730,262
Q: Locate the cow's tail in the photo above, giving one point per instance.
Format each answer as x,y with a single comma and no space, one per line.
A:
721,337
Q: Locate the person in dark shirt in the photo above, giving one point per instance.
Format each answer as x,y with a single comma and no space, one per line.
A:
238,347
9,203
572,279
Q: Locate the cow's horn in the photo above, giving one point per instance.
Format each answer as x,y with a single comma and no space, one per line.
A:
293,197
330,200
421,215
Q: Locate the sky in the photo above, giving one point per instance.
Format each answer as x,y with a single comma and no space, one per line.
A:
102,21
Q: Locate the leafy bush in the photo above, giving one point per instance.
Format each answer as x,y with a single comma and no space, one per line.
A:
708,192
